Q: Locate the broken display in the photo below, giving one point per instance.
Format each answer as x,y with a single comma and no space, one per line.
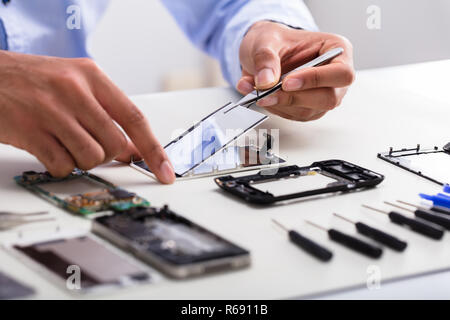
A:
169,242
432,164
324,177
229,160
81,192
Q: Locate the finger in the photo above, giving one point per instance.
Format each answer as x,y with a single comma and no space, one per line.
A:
246,85
297,114
261,59
102,128
335,75
49,151
323,99
280,113
84,149
131,119
130,153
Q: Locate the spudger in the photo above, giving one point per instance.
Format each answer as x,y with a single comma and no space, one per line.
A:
351,242
423,227
431,208
376,234
440,199
437,218
306,244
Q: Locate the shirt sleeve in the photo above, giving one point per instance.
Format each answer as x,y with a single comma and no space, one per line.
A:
218,26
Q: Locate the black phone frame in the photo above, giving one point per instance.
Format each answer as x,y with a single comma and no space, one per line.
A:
350,178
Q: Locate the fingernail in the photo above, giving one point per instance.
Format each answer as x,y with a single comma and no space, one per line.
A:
265,78
268,102
245,86
293,84
166,172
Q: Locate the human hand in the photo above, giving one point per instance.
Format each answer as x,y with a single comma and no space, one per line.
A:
63,111
271,49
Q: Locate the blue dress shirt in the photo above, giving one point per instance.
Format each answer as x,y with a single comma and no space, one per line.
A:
216,26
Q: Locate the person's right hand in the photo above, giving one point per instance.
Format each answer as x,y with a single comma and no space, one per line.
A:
63,111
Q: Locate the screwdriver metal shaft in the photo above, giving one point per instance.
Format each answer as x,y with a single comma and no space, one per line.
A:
434,217
432,208
306,244
423,227
351,242
376,234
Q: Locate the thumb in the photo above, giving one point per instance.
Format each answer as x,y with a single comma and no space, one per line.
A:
267,66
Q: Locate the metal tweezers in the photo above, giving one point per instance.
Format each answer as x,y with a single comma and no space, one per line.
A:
11,220
257,95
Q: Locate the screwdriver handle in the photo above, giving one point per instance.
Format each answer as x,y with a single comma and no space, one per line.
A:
355,244
437,218
423,228
440,210
380,236
310,246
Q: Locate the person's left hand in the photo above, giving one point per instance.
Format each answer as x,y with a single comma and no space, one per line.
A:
271,49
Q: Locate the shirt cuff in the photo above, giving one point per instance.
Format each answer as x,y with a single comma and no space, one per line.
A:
291,13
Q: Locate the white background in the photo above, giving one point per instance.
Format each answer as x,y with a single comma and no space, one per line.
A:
139,45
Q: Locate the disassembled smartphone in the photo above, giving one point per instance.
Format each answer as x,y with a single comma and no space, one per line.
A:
324,177
432,164
99,267
81,192
171,243
12,289
204,149
229,160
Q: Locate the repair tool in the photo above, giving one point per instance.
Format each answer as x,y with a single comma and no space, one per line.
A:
306,244
16,214
376,234
257,95
440,199
423,227
350,242
430,208
437,218
8,224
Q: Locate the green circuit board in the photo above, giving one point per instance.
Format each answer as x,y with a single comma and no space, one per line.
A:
81,192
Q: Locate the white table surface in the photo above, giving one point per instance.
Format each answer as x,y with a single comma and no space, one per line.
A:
398,107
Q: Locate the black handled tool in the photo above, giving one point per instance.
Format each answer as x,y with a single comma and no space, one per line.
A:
306,244
423,227
351,242
432,208
437,218
377,235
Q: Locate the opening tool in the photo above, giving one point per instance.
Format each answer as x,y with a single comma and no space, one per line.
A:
437,218
431,208
440,199
377,235
216,131
350,242
423,227
306,244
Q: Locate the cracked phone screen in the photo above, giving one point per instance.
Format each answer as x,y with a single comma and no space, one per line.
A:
209,136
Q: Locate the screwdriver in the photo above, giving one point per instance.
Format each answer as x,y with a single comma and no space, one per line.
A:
427,229
350,242
306,244
431,208
377,235
437,218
